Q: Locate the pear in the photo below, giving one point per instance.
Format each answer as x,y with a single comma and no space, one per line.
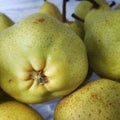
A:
41,59
14,110
73,26
84,7
51,9
102,41
97,100
5,21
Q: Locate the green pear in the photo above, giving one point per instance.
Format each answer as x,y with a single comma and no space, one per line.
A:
5,21
102,41
80,11
84,7
51,9
97,100
41,59
14,110
73,26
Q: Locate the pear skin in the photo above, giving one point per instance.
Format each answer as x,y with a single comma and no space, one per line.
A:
102,36
97,100
41,59
77,29
14,110
51,9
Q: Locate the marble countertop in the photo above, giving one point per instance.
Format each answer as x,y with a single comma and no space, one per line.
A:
18,9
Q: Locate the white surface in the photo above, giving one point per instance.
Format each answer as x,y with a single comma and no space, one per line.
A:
18,9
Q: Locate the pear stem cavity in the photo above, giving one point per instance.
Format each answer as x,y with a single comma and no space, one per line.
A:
39,76
77,18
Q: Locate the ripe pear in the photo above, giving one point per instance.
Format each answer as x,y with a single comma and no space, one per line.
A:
102,41
14,110
5,21
51,9
97,100
84,7
41,59
77,29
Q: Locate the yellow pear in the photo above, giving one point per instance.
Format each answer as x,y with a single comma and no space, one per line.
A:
102,42
5,21
97,100
41,59
84,7
51,9
14,110
71,24
77,29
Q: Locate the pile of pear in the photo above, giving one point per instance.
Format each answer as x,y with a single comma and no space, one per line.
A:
45,56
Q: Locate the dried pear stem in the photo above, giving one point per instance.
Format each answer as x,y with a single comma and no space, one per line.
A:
112,4
77,18
64,11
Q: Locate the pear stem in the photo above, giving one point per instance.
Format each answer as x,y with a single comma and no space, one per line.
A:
64,11
77,18
45,0
112,4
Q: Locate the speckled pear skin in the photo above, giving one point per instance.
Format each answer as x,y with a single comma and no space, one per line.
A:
14,110
84,7
77,29
102,41
51,9
97,100
5,22
41,59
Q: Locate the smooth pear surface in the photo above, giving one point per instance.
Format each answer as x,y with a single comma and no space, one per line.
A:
51,9
102,40
77,29
83,8
13,110
97,100
41,59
